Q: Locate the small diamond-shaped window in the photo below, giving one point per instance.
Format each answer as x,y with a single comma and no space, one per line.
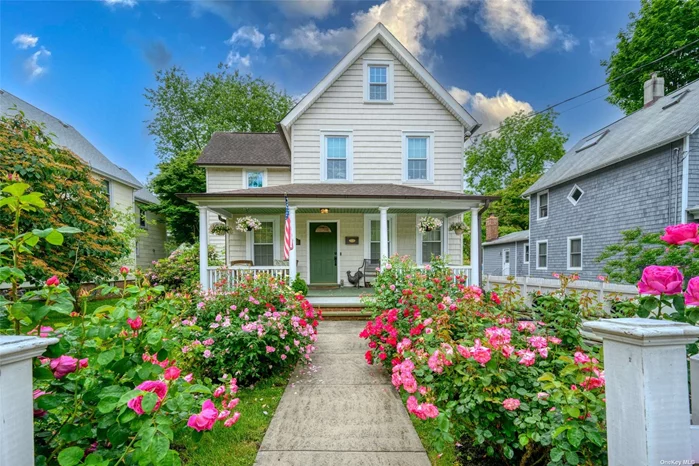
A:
575,194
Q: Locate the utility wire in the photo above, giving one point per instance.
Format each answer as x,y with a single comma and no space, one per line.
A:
606,83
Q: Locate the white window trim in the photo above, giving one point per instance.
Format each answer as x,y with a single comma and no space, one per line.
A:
570,195
430,156
389,80
548,254
249,170
392,218
250,239
568,240
548,205
527,248
418,236
325,133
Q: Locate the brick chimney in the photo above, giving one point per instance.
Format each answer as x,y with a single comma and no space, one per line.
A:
491,228
653,89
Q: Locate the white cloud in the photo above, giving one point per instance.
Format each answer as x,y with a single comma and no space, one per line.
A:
489,111
223,9
568,41
32,66
411,21
512,22
312,8
234,58
25,41
128,3
248,34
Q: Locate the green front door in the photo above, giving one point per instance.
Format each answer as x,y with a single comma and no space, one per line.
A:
323,252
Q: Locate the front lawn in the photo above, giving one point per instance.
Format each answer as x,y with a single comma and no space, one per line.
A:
237,446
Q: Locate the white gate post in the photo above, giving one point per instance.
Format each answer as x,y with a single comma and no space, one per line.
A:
16,400
645,367
204,248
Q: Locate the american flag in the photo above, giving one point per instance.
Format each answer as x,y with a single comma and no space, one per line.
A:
288,241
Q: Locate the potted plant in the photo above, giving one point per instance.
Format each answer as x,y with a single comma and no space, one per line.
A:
219,228
428,224
458,228
247,223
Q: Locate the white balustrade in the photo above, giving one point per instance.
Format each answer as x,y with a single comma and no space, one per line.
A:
457,271
229,276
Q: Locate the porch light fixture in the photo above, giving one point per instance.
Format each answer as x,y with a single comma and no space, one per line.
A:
324,211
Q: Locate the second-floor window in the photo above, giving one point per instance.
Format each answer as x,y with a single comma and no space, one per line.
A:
337,157
107,189
142,219
417,160
378,81
254,178
542,205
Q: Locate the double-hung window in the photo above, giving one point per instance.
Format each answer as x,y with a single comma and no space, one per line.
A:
378,81
263,244
575,253
542,207
417,159
337,156
526,253
374,240
542,254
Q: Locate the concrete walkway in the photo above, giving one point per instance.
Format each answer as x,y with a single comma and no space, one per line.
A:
341,411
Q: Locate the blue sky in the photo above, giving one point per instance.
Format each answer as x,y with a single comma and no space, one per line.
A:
88,62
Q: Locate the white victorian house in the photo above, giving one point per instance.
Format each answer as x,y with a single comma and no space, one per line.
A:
370,150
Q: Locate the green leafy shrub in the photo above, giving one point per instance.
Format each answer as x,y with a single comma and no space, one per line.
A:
299,285
180,270
259,329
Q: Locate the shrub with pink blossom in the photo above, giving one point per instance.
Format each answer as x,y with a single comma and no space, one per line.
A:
180,270
256,329
491,375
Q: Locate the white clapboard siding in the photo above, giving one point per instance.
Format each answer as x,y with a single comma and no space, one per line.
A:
377,128
227,179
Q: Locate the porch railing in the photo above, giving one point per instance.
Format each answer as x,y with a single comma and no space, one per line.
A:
228,276
458,271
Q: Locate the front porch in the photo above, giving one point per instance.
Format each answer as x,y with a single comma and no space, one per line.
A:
336,230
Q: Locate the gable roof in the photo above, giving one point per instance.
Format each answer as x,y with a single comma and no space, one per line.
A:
246,149
651,127
515,237
381,33
66,136
146,196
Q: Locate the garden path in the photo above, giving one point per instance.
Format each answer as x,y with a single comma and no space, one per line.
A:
341,411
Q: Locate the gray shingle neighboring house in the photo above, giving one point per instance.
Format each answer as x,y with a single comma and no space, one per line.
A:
125,191
507,255
641,171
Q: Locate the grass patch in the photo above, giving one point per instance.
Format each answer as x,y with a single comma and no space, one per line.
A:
238,445
424,431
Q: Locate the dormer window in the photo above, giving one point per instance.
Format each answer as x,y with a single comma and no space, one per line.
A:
378,81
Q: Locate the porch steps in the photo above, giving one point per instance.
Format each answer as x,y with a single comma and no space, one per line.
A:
344,313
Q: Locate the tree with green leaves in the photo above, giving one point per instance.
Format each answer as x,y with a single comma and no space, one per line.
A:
524,144
73,197
660,27
512,210
187,112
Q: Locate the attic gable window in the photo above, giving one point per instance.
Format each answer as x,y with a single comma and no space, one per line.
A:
378,81
575,194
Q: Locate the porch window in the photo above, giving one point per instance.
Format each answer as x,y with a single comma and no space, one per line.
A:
337,157
431,244
263,244
375,240
417,157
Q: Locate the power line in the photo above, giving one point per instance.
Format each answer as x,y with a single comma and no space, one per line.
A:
606,83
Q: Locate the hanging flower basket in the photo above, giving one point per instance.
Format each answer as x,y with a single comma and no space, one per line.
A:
458,228
219,228
429,224
247,223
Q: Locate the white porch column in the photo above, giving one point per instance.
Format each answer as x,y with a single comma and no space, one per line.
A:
383,235
475,248
16,400
204,247
292,252
645,367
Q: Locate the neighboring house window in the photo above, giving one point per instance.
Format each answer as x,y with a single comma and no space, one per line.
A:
142,217
378,83
542,254
575,194
337,157
263,244
138,249
526,253
575,253
542,205
417,160
254,179
107,188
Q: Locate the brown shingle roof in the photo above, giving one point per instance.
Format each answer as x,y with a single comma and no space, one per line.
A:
349,190
248,149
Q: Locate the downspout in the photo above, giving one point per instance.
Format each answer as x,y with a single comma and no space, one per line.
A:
685,180
486,204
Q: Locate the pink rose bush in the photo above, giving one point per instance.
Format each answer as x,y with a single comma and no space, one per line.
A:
465,358
657,280
260,318
681,234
